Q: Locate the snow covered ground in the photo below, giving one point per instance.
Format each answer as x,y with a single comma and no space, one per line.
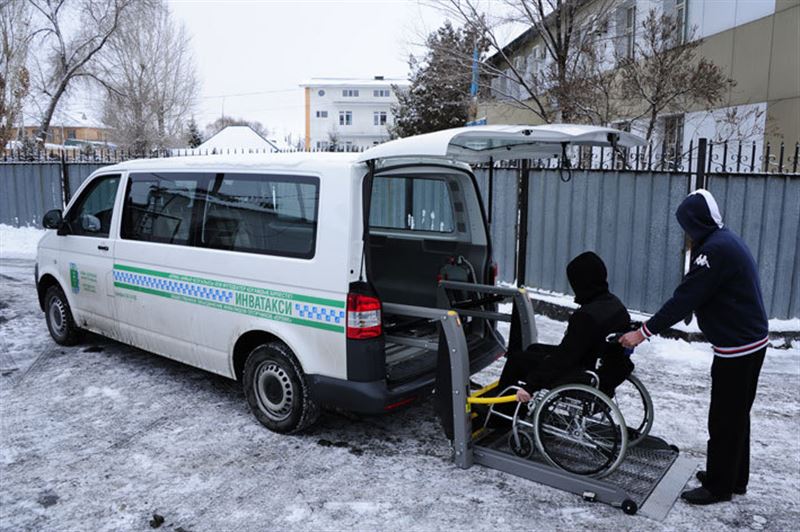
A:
102,436
19,242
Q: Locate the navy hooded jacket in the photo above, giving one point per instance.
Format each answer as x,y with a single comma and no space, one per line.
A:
722,286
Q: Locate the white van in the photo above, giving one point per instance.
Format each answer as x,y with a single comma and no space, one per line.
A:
272,269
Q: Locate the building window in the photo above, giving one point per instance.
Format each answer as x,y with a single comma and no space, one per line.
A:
71,134
322,114
381,93
350,93
630,31
322,145
345,118
673,141
680,20
379,118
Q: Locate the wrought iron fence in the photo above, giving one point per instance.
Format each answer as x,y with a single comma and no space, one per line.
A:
718,157
118,155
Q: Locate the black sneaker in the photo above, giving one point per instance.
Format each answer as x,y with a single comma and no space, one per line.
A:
702,476
702,496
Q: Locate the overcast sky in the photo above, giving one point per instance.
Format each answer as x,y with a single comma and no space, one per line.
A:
269,47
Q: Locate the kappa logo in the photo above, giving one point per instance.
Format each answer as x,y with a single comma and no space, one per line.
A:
702,260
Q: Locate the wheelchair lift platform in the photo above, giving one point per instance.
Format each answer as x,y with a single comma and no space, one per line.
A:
648,481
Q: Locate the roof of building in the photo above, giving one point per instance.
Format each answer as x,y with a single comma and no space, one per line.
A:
239,139
376,81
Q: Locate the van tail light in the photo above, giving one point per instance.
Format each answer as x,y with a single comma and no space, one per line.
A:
493,268
363,316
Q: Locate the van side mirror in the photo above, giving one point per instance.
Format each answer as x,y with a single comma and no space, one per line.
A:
52,219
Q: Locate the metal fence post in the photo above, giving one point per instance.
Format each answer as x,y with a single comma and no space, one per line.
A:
489,194
522,232
65,191
700,174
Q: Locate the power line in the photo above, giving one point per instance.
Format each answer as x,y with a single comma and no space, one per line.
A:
233,95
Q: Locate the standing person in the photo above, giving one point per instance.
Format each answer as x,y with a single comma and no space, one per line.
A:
723,290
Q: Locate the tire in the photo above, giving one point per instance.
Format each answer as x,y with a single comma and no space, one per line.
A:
580,430
629,507
276,389
58,316
636,405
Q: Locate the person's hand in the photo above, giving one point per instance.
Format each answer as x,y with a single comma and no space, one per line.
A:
632,339
523,396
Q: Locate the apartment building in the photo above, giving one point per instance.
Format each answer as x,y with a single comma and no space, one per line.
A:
755,42
348,113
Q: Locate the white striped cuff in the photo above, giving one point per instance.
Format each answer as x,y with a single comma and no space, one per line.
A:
732,352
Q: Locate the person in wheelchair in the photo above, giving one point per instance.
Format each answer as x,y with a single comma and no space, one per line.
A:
600,313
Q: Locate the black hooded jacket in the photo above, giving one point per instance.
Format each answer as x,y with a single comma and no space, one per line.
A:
721,287
601,313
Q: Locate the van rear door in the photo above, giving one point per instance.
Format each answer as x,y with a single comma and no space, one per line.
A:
480,143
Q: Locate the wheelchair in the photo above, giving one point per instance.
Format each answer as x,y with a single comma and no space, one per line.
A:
578,428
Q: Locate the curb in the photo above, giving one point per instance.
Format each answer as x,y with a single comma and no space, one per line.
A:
562,313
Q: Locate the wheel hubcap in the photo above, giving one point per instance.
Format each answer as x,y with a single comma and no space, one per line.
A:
58,316
274,391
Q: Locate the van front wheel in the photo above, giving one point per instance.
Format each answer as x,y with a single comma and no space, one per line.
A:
59,318
276,389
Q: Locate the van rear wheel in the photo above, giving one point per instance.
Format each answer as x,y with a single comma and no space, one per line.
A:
276,389
59,318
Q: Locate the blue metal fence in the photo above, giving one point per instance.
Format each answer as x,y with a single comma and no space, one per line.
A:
627,217
765,211
28,190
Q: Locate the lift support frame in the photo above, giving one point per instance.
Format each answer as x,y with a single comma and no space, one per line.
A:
467,452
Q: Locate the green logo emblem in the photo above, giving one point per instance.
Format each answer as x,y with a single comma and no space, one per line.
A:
74,278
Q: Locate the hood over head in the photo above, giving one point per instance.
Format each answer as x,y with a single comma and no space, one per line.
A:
587,275
699,215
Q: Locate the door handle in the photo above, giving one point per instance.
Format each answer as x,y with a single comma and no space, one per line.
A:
102,247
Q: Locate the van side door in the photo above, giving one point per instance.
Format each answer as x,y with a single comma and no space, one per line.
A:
87,253
158,222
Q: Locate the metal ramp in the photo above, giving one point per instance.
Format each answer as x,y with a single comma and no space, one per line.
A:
648,481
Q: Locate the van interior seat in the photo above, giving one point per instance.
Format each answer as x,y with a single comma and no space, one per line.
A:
174,221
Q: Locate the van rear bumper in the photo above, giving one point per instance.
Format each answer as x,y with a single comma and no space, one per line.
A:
376,397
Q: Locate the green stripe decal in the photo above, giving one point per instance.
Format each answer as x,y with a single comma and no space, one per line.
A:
231,286
319,313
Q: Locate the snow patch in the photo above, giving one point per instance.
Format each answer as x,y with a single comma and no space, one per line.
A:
19,242
105,391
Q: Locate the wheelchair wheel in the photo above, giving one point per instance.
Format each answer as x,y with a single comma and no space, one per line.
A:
636,405
579,429
523,449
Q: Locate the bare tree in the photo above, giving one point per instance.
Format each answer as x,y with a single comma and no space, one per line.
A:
15,19
569,59
149,76
224,121
70,35
665,75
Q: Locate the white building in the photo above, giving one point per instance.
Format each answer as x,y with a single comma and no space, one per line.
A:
351,114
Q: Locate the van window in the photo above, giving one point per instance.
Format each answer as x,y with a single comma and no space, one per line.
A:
91,213
411,204
273,215
158,208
